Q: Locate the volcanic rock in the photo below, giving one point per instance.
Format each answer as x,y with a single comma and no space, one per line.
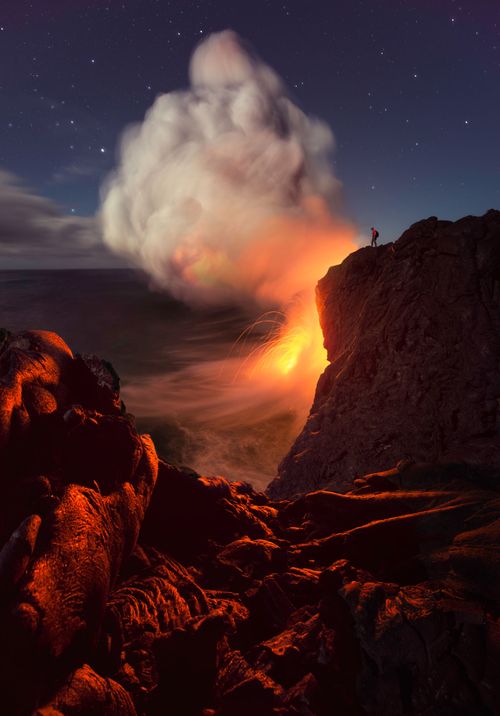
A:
129,586
412,331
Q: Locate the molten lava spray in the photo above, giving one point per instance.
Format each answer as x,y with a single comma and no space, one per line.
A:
225,195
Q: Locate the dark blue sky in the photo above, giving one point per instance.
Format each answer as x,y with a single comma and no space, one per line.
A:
411,89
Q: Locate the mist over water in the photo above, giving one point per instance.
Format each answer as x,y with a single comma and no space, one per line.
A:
210,419
171,360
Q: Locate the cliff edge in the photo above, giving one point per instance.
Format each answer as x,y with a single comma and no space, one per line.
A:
412,331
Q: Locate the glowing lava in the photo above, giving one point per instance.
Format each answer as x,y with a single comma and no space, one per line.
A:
293,253
294,342
300,343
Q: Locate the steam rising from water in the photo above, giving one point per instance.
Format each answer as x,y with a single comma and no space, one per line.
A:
225,195
224,192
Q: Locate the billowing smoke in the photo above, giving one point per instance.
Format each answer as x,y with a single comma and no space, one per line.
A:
224,193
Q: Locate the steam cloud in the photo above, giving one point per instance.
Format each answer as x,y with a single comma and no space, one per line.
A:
225,195
225,192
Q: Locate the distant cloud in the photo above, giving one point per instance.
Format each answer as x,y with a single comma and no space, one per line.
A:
76,171
34,232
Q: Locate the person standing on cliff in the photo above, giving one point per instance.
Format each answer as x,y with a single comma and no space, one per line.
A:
375,236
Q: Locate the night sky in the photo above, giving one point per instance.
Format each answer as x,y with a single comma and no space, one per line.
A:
410,88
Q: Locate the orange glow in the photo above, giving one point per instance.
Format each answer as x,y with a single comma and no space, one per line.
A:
289,254
293,254
277,261
272,369
294,345
285,367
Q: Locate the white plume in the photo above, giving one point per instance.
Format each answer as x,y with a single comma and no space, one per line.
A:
224,192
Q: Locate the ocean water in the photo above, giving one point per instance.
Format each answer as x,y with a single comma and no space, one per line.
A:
174,362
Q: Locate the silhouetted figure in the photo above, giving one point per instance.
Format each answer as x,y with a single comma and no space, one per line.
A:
375,236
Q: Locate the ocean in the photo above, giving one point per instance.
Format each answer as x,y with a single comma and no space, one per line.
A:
177,365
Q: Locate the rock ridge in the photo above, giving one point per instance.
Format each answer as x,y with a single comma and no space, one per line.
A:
412,331
130,587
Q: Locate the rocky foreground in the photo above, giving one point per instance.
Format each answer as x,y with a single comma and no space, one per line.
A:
131,587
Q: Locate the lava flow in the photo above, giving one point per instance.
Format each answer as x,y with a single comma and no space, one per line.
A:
292,347
293,254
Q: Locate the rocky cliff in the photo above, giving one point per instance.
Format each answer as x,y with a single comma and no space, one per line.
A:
412,331
130,587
